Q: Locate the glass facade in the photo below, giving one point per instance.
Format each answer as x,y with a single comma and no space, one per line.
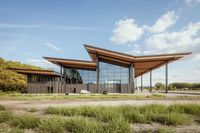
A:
78,76
111,74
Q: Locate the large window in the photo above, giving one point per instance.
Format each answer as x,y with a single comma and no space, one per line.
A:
110,74
78,76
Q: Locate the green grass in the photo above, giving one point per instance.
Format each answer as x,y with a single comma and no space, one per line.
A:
2,107
168,115
102,119
32,110
5,116
53,124
26,121
16,130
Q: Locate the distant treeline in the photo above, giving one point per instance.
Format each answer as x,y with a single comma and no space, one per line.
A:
186,85
11,81
178,85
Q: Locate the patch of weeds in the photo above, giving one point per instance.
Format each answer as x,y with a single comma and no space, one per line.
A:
134,116
53,124
83,125
71,111
164,130
117,125
5,116
153,108
172,119
193,109
16,130
32,110
26,121
2,107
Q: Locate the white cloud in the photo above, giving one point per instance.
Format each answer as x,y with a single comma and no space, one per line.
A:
42,63
163,23
29,26
192,2
187,39
53,46
78,28
126,31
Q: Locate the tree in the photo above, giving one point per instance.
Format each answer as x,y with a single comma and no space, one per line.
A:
12,81
159,86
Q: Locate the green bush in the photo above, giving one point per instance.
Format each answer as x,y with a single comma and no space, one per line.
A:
53,124
5,116
26,121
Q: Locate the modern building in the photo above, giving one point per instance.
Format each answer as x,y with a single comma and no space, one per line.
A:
107,72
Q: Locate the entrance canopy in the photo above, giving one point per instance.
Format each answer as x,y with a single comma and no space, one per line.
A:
142,64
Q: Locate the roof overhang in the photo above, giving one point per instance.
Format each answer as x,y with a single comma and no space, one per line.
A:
142,64
34,72
70,63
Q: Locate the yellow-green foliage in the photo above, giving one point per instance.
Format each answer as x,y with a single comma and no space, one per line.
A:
9,80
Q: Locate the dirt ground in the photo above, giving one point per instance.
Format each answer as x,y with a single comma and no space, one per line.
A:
22,106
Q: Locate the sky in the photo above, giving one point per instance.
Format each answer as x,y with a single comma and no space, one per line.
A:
31,29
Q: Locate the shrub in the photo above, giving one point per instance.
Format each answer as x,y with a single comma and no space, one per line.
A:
53,124
26,121
2,107
5,116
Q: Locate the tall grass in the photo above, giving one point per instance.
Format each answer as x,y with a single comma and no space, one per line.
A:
168,115
2,107
26,121
5,116
52,124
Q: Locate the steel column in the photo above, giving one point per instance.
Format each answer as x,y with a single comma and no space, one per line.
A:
97,73
166,77
141,83
150,80
61,78
131,77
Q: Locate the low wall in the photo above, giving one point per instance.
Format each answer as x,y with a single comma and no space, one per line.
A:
58,87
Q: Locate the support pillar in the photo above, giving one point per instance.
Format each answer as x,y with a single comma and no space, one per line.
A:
97,73
131,79
150,80
166,77
141,83
61,79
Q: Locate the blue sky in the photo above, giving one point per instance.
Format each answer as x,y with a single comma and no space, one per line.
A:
31,29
